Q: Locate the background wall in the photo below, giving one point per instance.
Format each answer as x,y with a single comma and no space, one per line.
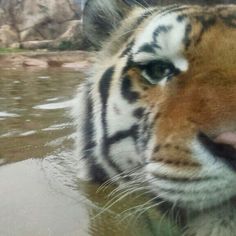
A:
39,23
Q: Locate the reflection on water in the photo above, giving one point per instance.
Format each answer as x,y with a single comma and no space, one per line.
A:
40,194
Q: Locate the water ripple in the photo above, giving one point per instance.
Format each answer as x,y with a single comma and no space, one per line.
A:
7,114
54,106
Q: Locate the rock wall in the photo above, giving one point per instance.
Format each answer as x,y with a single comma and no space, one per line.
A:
39,23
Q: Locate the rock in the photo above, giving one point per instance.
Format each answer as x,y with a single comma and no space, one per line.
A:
15,45
73,30
39,20
33,45
54,63
83,65
70,39
7,36
76,60
35,62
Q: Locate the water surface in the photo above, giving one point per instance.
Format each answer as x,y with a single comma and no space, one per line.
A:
40,194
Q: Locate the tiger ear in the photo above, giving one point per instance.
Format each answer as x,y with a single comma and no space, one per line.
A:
101,17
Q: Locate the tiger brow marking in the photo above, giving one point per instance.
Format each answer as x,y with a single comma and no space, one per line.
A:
206,24
229,20
134,26
181,18
148,48
160,29
104,88
175,9
186,40
143,17
127,49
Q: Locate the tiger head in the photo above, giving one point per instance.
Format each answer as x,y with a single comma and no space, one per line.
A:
162,97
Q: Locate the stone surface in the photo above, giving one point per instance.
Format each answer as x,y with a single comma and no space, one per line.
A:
39,20
8,35
76,60
34,62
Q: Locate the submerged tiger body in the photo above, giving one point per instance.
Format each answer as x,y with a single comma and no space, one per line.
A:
161,96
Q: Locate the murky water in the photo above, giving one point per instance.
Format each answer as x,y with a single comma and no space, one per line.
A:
39,192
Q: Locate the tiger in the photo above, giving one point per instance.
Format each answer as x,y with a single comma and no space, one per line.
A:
159,105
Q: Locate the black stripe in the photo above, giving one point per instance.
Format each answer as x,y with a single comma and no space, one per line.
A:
95,171
160,29
229,20
148,48
104,89
133,132
146,129
139,112
104,92
128,65
126,90
156,149
224,152
143,17
127,49
186,39
88,129
181,18
123,134
206,23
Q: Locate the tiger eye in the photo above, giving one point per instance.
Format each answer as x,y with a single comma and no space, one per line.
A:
157,70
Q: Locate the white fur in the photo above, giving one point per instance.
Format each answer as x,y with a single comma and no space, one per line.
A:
171,42
220,221
219,185
196,194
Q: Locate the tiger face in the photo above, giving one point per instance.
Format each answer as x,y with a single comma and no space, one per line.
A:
162,99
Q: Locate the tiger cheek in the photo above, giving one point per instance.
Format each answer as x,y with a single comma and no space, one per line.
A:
149,95
196,103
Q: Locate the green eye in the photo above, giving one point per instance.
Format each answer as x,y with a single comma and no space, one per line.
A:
155,71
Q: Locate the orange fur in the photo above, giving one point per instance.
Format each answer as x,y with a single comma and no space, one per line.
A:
203,99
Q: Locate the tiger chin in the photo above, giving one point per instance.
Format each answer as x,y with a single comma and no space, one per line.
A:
161,104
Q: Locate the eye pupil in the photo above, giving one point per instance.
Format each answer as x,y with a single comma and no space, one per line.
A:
157,70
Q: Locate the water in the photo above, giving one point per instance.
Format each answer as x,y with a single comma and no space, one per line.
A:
40,194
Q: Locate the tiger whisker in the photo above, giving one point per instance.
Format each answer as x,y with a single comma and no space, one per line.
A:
140,210
142,6
143,211
141,205
120,177
123,191
108,205
117,177
130,191
133,208
124,187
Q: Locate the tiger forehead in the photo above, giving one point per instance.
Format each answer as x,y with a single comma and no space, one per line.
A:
169,35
